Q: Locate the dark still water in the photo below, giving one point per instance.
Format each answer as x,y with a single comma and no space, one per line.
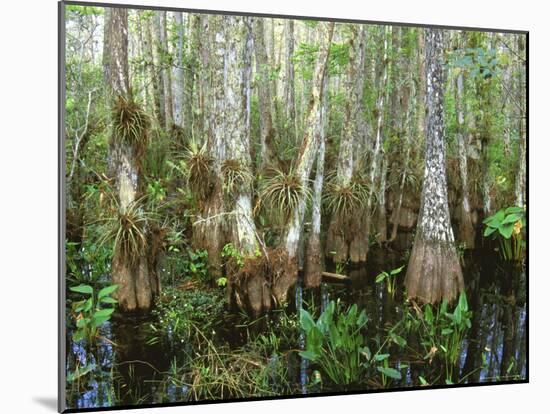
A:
131,365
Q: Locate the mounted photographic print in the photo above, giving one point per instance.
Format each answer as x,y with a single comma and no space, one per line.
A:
259,206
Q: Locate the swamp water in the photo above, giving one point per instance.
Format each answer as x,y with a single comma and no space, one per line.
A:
128,366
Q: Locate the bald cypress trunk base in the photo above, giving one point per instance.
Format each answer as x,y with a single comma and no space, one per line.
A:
313,262
434,272
134,292
263,282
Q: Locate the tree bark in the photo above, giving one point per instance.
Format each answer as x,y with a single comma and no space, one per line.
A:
178,75
434,272
313,267
303,165
522,167
290,102
164,64
341,229
267,130
133,277
466,232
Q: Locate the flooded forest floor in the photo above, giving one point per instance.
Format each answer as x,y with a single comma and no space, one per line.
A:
191,347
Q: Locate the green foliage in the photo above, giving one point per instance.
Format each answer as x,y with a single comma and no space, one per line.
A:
179,311
281,193
197,264
93,311
389,279
229,252
87,263
508,226
441,332
335,343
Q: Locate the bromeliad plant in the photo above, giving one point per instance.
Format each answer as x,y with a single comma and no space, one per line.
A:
390,279
127,230
507,225
345,199
281,193
92,311
335,342
199,170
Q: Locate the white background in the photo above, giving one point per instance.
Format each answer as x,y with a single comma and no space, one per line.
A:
28,203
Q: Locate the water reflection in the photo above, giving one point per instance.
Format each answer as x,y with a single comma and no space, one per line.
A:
129,368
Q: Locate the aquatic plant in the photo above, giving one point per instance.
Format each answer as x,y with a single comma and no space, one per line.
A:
441,332
179,309
335,342
507,225
281,193
390,279
91,312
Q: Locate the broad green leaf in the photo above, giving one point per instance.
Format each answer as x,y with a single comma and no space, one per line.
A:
489,230
446,331
381,357
106,291
390,372
82,289
104,312
109,300
82,322
396,271
512,218
506,230
380,277
309,355
422,380
306,321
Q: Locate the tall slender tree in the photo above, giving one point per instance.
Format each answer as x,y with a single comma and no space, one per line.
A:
434,271
129,133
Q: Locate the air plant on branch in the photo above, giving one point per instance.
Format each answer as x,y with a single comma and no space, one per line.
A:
345,198
199,170
281,192
235,176
130,123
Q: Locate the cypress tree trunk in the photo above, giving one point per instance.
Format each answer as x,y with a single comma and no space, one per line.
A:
314,254
434,271
522,169
289,99
341,229
209,231
466,232
178,76
162,48
303,165
131,274
267,131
